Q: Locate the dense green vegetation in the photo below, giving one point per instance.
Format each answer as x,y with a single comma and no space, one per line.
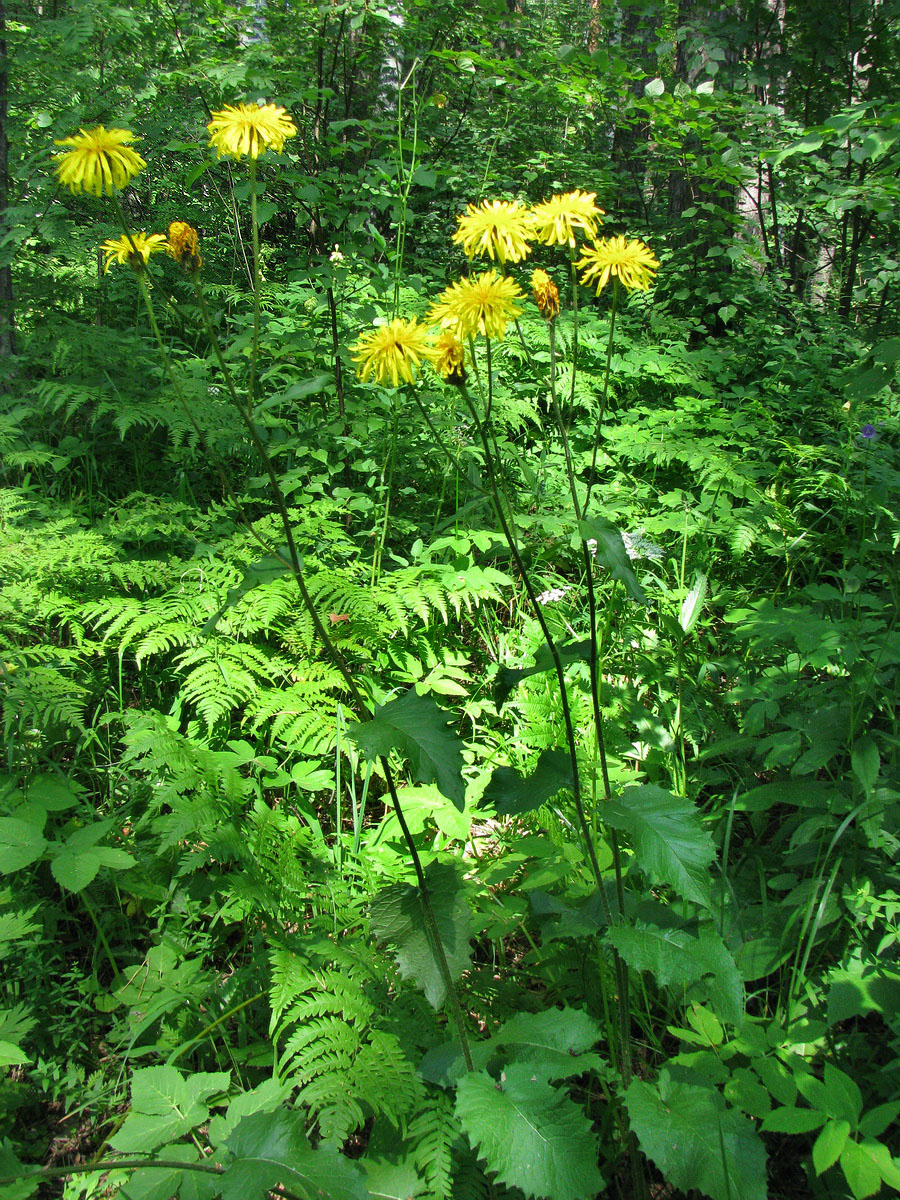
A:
464,788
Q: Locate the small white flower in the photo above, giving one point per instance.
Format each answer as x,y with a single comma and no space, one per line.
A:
551,595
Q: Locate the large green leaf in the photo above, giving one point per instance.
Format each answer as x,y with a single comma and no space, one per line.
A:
530,1134
272,1149
508,678
421,731
511,792
398,918
165,1105
611,553
555,1043
21,843
161,1183
10,1167
696,1140
680,957
669,841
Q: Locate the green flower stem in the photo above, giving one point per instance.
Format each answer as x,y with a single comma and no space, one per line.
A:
604,396
388,489
254,229
571,411
551,645
625,1056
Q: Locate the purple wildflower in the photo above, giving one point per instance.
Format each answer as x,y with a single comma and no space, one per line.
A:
868,431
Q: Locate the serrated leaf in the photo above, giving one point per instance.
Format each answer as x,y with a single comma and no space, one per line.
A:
693,603
390,1180
845,1100
555,1042
511,792
165,1105
421,731
163,1184
75,870
11,1055
21,843
669,841
310,386
611,553
861,1168
508,678
696,1140
529,1134
272,1149
829,1144
678,956
266,1097
876,1120
398,917
793,1120
9,1167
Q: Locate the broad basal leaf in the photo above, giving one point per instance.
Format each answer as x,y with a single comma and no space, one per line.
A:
508,678
696,1140
421,731
271,1150
530,1134
681,957
611,553
511,792
398,918
165,1105
669,841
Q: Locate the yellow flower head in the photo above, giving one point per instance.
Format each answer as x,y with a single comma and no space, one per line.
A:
450,358
631,262
182,246
249,129
100,160
392,352
122,251
498,228
546,294
481,304
555,221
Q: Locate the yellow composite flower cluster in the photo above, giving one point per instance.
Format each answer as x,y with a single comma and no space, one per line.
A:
485,304
182,245
99,161
247,130
632,263
133,249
